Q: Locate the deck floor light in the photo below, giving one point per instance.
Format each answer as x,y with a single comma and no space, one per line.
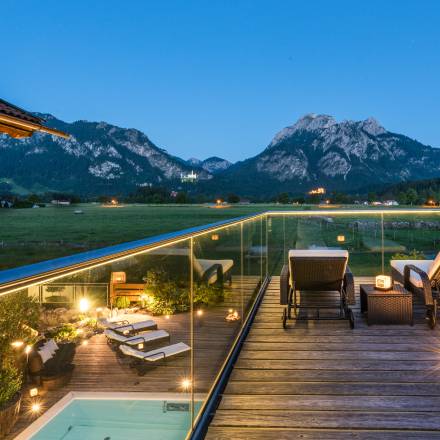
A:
186,384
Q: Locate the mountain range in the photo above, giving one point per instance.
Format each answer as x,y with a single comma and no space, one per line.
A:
100,158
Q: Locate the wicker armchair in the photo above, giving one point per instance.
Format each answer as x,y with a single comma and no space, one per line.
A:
422,278
311,271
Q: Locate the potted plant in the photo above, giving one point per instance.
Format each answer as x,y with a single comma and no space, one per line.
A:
19,313
10,398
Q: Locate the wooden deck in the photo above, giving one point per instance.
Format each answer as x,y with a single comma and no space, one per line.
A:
98,368
321,380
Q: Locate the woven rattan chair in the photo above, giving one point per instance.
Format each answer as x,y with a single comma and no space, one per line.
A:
310,271
421,277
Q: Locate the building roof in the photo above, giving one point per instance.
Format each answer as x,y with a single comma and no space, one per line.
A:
19,123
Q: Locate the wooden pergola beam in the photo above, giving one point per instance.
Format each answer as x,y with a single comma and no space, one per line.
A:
18,128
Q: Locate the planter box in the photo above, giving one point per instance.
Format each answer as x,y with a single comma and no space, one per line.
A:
9,415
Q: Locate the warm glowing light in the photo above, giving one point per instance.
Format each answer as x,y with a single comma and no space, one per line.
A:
126,332
98,309
85,342
214,237
384,282
84,305
232,316
219,201
36,408
185,384
80,331
140,346
17,344
341,238
28,349
199,312
114,202
167,316
319,190
33,392
230,310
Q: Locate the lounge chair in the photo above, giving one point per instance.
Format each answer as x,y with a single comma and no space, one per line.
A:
142,360
421,277
317,271
127,328
209,271
146,338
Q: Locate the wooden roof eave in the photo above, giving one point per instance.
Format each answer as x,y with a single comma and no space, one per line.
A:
17,128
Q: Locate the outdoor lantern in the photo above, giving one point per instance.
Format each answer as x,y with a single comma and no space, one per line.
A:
140,346
214,237
84,305
341,238
384,282
33,392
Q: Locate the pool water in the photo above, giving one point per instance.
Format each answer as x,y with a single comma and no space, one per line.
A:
86,419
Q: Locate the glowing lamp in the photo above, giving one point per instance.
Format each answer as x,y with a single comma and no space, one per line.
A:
219,201
185,384
140,346
17,344
36,408
84,343
341,238
84,305
215,237
33,392
28,349
384,282
167,316
199,312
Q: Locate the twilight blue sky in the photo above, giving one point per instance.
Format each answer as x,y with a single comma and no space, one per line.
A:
222,77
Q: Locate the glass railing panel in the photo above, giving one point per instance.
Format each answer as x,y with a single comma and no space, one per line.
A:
123,339
360,234
218,301
411,237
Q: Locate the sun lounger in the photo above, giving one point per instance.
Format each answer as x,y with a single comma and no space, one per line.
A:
145,338
142,359
311,271
421,277
130,328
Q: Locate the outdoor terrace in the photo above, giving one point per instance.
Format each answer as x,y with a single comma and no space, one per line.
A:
312,379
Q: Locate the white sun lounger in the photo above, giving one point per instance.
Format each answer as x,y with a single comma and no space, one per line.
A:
156,354
135,327
143,337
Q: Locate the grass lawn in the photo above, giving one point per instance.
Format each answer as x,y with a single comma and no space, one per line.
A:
31,235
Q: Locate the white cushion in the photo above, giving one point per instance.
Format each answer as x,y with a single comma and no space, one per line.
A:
414,277
51,345
434,266
45,353
318,253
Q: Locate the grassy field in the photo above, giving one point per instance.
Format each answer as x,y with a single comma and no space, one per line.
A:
31,235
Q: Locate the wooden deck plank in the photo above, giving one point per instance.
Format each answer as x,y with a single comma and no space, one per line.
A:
319,379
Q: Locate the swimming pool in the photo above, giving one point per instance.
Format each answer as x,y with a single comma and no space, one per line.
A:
88,417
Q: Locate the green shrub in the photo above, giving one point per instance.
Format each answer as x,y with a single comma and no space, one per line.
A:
412,255
164,296
10,384
64,333
121,302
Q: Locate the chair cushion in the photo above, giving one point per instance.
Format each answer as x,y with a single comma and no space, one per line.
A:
414,278
318,253
51,345
45,353
435,266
